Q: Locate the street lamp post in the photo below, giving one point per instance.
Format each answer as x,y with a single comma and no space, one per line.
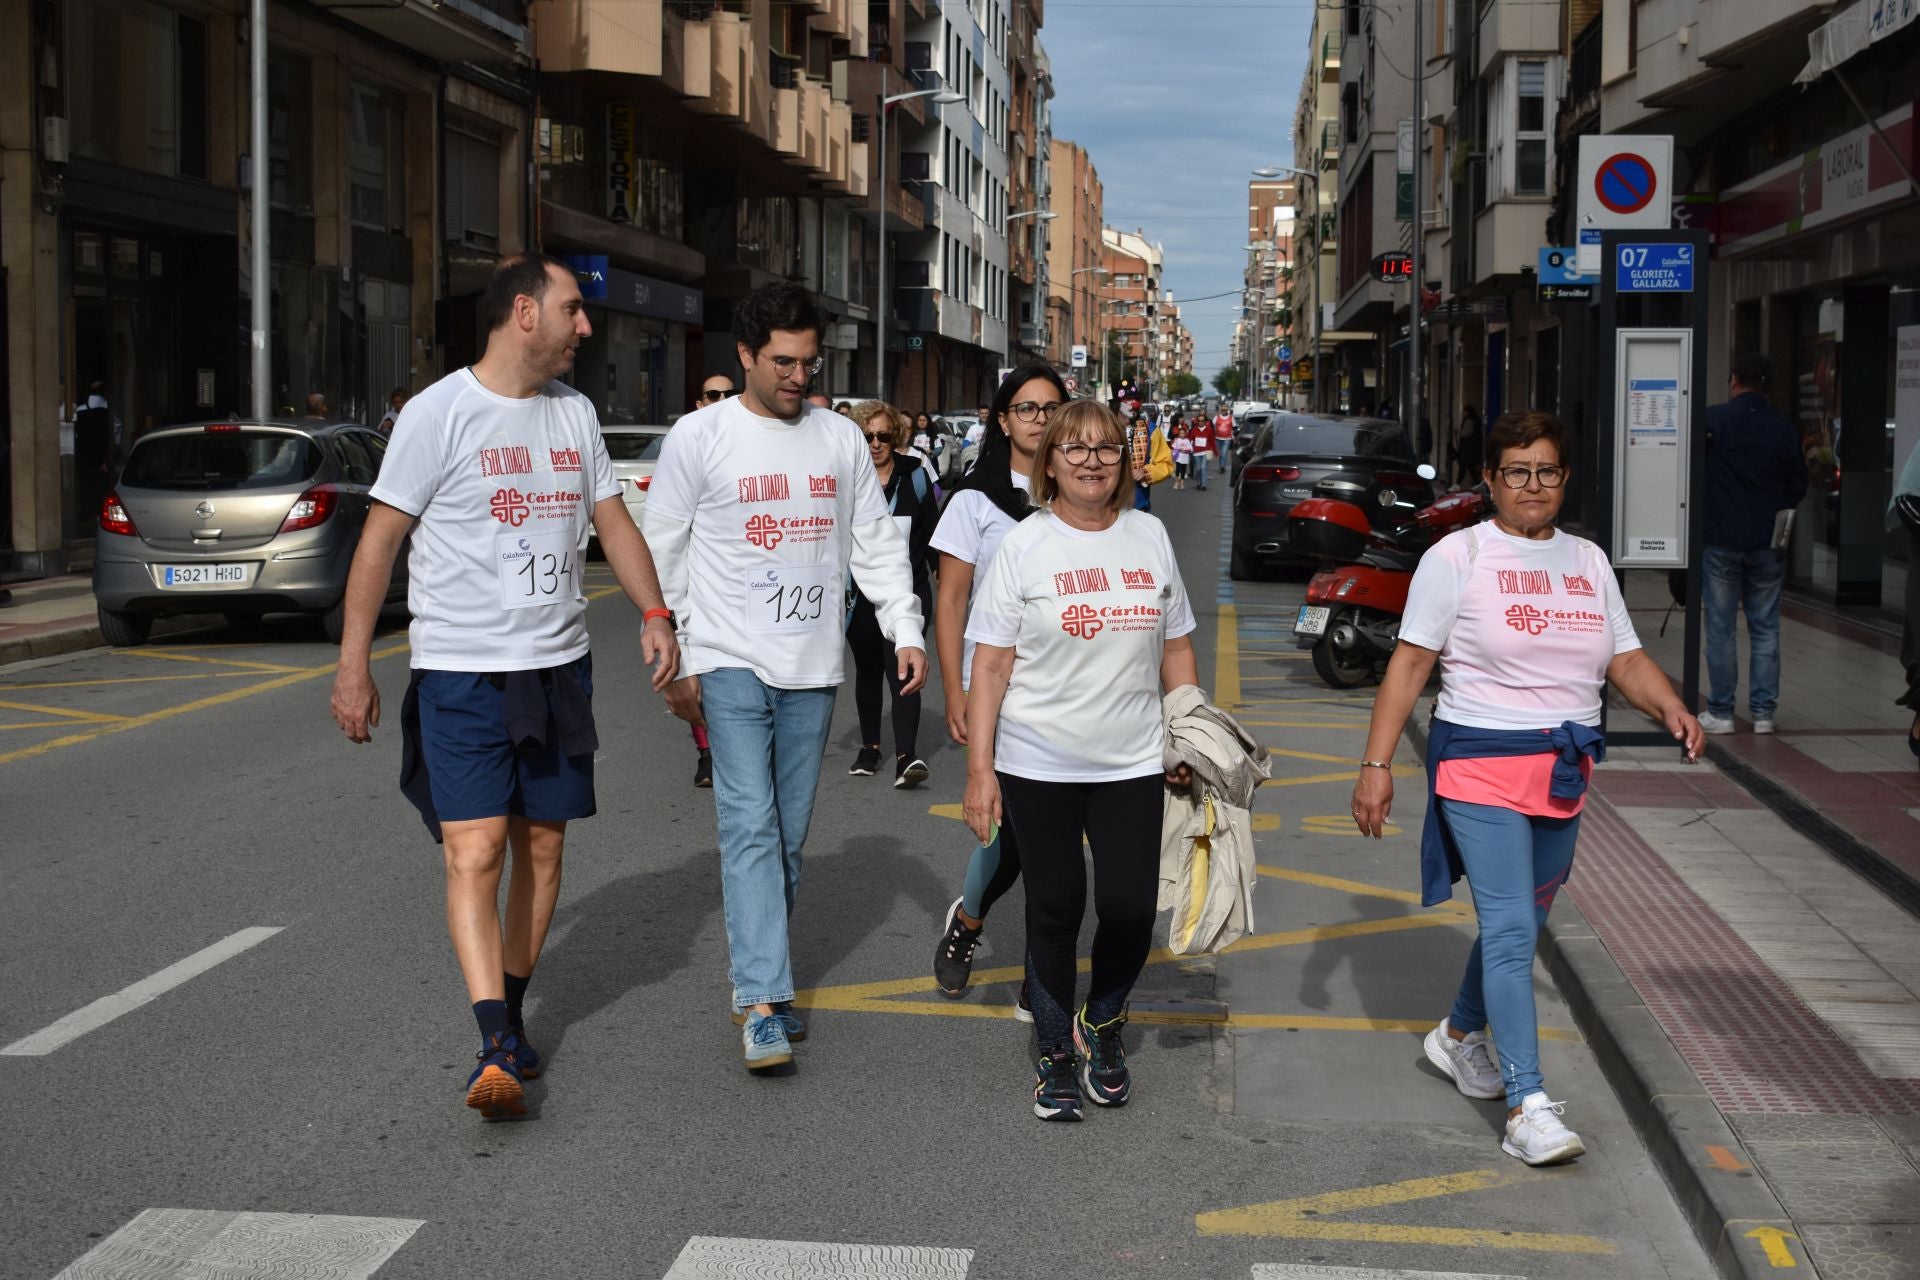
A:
942,97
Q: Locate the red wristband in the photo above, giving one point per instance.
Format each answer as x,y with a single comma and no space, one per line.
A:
651,614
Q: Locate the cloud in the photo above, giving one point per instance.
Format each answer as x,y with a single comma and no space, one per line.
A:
1176,104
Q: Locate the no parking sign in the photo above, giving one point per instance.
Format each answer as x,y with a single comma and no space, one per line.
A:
1624,181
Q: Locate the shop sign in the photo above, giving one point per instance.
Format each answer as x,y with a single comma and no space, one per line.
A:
1852,174
623,174
621,290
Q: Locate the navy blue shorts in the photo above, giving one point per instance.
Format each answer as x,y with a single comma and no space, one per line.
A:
473,767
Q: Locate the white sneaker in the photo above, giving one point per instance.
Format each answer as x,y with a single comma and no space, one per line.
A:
1469,1061
1763,725
1716,724
1536,1134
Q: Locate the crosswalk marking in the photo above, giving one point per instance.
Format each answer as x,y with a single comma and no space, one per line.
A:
163,1243
104,1010
730,1258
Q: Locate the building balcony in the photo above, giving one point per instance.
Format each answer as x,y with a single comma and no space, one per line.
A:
1330,58
1507,235
445,30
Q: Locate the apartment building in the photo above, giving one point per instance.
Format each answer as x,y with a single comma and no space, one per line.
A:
1030,183
1267,306
125,205
1074,258
1128,300
1316,150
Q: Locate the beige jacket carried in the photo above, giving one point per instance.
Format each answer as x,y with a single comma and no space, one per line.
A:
1206,835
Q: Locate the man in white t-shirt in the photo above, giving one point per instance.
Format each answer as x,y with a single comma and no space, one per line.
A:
499,472
759,509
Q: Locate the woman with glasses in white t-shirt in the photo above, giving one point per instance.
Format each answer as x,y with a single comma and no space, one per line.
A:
986,505
1528,627
1081,623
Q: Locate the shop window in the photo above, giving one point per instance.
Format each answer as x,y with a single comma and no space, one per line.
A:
376,151
472,187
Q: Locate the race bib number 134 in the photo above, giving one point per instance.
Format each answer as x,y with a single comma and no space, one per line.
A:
537,569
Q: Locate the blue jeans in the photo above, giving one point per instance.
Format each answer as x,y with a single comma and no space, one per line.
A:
1200,469
1515,864
1749,579
767,745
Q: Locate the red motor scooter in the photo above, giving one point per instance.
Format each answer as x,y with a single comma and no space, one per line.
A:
1351,618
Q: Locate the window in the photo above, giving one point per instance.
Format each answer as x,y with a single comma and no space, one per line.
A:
289,132
129,95
473,187
376,147
1530,130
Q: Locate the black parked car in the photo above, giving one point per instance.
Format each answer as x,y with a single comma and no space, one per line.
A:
1365,461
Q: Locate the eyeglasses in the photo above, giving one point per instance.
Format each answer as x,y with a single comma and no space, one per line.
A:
1521,477
1077,453
1028,410
875,437
785,365
715,395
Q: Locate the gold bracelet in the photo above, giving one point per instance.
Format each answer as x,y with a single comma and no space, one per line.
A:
1375,764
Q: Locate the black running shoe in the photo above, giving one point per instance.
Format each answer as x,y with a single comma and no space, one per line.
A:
953,958
525,1054
1103,1059
908,772
866,763
703,771
1056,1094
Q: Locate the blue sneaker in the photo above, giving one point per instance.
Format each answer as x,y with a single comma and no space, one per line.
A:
764,1042
1103,1059
494,1087
525,1054
1056,1094
789,1021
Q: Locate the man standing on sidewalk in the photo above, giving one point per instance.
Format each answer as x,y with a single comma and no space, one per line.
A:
1755,469
759,508
499,473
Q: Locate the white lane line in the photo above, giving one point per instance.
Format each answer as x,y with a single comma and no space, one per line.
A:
724,1258
197,1242
126,1000
1304,1271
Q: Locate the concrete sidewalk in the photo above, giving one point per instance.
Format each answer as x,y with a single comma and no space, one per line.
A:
51,616
1732,945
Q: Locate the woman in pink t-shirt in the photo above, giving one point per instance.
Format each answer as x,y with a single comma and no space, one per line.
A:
1528,626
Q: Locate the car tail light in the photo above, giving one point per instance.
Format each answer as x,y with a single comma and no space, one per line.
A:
1263,473
114,517
311,509
642,483
223,426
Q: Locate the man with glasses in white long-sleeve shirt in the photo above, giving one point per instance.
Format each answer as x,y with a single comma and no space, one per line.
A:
759,509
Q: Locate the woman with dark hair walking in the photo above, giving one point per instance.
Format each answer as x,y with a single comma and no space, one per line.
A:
986,505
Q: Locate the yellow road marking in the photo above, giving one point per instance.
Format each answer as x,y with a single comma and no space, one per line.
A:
1302,724
1774,1241
1300,1219
1291,655
296,676
603,593
1312,755
89,684
165,655
1340,824
99,717
40,724
1345,886
1399,771
1226,660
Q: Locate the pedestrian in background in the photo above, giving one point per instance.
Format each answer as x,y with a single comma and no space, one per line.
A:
914,504
497,722
1181,446
396,401
1201,434
1467,448
1151,457
1081,624
317,410
712,391
1755,471
96,438
986,505
1528,626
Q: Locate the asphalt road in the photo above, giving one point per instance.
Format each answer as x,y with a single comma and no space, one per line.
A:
158,802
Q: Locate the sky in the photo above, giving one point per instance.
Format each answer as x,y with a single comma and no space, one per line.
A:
1176,101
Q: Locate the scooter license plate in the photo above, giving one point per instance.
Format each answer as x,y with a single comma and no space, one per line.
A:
1312,620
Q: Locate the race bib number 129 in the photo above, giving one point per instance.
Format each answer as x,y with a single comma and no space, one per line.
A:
537,569
793,597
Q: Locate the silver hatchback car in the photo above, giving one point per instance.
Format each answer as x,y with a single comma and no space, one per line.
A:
238,518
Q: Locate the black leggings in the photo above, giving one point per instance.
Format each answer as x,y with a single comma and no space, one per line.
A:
1121,821
873,661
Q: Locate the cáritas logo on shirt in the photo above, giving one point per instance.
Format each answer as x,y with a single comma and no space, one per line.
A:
1081,620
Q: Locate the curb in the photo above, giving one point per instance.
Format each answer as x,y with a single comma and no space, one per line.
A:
53,644
1732,1211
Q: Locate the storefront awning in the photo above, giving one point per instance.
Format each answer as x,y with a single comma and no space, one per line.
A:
1853,30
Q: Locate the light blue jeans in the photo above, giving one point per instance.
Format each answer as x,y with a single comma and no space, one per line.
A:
1199,469
1737,579
1515,864
767,745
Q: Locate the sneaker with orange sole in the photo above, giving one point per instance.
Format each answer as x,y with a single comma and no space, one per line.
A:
494,1089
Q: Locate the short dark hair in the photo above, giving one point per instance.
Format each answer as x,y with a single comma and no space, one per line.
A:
784,305
1752,370
513,275
1521,428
